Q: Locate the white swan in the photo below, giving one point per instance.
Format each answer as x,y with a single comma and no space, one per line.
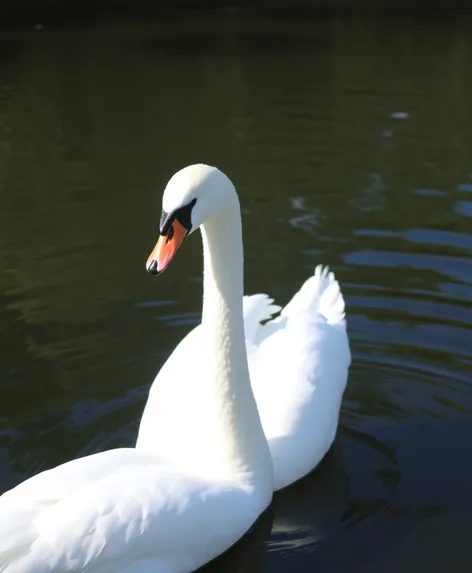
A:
298,362
187,494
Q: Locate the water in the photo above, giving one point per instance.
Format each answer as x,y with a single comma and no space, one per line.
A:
349,139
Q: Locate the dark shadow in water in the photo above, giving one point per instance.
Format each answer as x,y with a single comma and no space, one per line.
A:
246,555
308,512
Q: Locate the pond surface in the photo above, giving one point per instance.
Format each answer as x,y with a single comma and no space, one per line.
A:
350,142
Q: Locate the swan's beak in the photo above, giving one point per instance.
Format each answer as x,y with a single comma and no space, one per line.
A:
165,248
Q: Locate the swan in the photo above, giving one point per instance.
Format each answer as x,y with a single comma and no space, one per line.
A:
298,361
200,477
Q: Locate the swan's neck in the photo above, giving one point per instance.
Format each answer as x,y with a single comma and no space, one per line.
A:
240,439
222,316
201,413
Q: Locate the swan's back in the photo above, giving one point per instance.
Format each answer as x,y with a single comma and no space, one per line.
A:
299,365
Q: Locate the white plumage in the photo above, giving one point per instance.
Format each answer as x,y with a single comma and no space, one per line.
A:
298,365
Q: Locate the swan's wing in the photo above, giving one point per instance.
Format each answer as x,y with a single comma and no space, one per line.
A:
299,365
117,511
256,308
319,295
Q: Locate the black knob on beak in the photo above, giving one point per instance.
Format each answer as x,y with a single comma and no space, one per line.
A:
152,268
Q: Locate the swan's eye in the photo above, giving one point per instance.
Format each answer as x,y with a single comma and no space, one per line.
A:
183,215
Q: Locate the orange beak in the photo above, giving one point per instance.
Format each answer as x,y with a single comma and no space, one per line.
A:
165,248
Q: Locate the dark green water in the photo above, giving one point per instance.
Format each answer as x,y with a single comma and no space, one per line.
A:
350,142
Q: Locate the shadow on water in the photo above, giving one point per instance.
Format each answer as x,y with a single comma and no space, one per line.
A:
350,141
245,556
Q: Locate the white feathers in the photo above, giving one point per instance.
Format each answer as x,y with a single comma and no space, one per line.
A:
256,309
298,365
320,293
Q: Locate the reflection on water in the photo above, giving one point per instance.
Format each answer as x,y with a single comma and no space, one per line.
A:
350,142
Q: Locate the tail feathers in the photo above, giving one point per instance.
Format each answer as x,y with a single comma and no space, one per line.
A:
319,294
256,308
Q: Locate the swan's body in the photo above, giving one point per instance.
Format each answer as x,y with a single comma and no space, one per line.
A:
122,511
195,489
298,365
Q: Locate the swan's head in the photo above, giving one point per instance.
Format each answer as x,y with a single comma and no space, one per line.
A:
192,196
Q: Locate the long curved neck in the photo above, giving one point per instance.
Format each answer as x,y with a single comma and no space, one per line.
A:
223,325
223,287
201,413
